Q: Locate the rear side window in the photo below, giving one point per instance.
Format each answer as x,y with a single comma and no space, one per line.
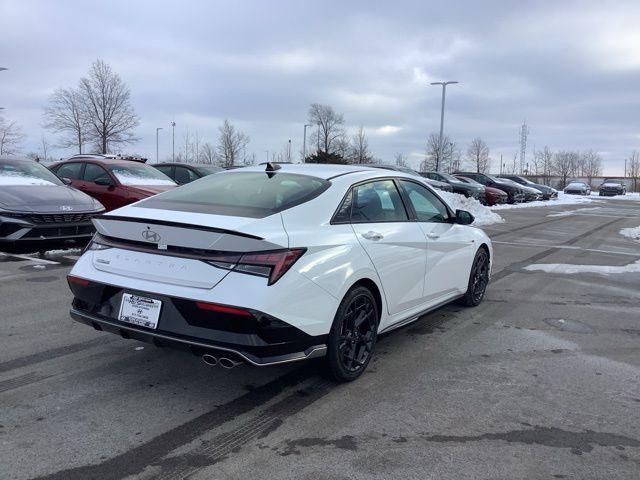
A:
70,170
377,202
166,169
242,194
93,172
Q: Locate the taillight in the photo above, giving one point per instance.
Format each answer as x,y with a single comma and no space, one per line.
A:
271,265
77,280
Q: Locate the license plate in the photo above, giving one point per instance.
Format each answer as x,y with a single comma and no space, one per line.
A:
142,311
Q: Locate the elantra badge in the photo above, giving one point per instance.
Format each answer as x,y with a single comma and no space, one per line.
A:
151,236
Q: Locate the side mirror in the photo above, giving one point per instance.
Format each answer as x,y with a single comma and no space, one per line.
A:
103,181
66,180
464,218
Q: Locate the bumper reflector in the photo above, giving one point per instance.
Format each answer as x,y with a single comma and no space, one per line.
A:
223,309
77,280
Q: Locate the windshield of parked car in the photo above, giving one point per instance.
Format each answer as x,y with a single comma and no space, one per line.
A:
139,174
241,194
26,172
450,178
577,184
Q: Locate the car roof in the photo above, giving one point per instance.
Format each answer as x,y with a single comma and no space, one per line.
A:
183,164
16,159
320,170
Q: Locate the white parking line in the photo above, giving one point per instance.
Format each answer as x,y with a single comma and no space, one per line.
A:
567,247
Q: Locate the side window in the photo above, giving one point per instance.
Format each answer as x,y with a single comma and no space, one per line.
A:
343,215
166,169
378,202
427,206
93,172
184,175
70,170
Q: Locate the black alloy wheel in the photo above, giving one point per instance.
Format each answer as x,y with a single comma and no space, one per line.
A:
353,336
478,279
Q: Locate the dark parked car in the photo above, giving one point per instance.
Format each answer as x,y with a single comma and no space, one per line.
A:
530,194
492,196
577,187
445,187
182,173
113,181
467,189
38,211
514,193
612,186
547,192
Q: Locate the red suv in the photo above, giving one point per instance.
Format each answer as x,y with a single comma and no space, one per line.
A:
112,180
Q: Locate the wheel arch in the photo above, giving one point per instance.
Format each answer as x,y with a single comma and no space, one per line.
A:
375,291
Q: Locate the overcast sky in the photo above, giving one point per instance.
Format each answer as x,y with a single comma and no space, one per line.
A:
571,69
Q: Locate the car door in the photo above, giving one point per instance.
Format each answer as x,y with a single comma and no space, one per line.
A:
450,247
100,185
395,245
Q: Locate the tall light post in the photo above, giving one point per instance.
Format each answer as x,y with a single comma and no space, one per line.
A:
173,141
444,91
267,152
1,69
289,151
157,147
304,142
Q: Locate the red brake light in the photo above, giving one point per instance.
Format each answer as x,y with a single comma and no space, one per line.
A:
223,309
77,280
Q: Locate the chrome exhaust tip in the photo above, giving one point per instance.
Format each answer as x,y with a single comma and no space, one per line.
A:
228,363
210,360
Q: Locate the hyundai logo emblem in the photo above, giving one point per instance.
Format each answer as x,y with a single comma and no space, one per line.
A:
151,236
66,208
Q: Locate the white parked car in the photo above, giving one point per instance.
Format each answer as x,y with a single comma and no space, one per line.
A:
577,188
269,265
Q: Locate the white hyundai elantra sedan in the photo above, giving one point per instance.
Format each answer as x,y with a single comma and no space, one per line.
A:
269,265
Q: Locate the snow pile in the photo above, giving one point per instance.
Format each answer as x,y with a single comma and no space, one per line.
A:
127,178
563,199
483,215
632,233
570,269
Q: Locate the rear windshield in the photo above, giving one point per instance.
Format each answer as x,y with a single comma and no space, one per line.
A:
240,194
139,174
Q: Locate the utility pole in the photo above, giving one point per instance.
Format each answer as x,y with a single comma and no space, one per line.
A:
267,152
524,132
444,91
173,141
304,143
157,147
1,69
289,151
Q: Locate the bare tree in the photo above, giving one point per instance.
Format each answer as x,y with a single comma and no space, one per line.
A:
107,106
478,155
359,148
564,165
591,164
449,154
232,144
400,159
633,169
11,137
66,114
208,154
329,125
542,163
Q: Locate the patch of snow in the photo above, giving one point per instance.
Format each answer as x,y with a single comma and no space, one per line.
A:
563,199
39,267
12,179
58,253
483,215
633,233
129,179
568,213
569,269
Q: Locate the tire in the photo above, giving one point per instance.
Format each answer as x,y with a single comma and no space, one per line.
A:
478,279
352,339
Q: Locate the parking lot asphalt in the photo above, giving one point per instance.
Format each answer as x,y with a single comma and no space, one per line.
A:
542,380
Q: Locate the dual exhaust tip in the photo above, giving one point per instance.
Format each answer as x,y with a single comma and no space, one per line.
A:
224,362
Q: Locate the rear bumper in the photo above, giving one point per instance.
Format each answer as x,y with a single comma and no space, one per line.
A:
610,193
257,339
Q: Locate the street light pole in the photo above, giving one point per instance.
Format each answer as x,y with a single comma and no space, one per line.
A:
173,141
304,143
444,91
157,148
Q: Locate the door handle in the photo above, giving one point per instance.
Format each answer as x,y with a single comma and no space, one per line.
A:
372,235
432,236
